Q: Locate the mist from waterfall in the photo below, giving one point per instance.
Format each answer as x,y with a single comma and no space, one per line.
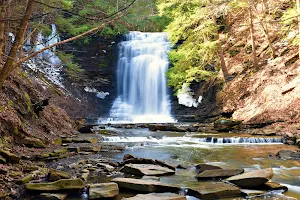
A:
142,85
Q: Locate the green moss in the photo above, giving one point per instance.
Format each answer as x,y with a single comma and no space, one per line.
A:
28,101
233,52
2,108
72,68
10,103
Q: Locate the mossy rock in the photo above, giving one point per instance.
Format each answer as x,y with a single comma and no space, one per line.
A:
25,179
2,160
33,142
57,141
63,184
55,175
10,157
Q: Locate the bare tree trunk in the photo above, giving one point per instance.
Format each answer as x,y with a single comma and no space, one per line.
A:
223,64
298,18
2,15
252,35
265,28
8,66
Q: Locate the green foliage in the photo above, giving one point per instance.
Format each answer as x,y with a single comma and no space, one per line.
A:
195,25
72,68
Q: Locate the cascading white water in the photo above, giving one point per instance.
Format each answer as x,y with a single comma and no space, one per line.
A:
142,88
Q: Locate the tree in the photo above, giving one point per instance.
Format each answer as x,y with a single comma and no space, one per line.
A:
254,57
9,64
44,11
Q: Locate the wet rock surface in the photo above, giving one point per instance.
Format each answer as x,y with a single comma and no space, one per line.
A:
157,196
147,169
144,185
214,190
252,179
218,173
103,190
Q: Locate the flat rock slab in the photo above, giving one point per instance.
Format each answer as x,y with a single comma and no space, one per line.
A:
50,196
144,185
63,184
214,190
219,173
252,179
147,170
103,190
202,167
251,193
157,196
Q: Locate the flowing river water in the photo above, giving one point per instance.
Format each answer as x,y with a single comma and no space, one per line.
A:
226,150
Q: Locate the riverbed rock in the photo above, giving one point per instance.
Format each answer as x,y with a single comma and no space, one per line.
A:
250,193
263,132
127,157
166,127
103,190
273,186
219,173
87,128
146,169
146,186
288,154
157,196
202,167
10,157
33,142
225,125
213,190
63,184
146,161
54,196
252,179
90,148
55,175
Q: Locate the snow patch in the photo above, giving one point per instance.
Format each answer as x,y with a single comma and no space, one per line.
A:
100,95
186,97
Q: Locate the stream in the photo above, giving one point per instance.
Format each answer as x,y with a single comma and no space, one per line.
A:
226,150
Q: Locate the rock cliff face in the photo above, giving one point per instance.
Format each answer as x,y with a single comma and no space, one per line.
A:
95,87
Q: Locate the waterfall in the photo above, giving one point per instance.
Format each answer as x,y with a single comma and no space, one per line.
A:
142,86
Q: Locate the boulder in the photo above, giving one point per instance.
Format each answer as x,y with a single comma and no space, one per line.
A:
213,190
252,179
157,196
288,154
103,190
86,128
145,186
33,142
225,125
55,175
202,167
63,184
146,169
127,157
218,173
50,196
10,157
